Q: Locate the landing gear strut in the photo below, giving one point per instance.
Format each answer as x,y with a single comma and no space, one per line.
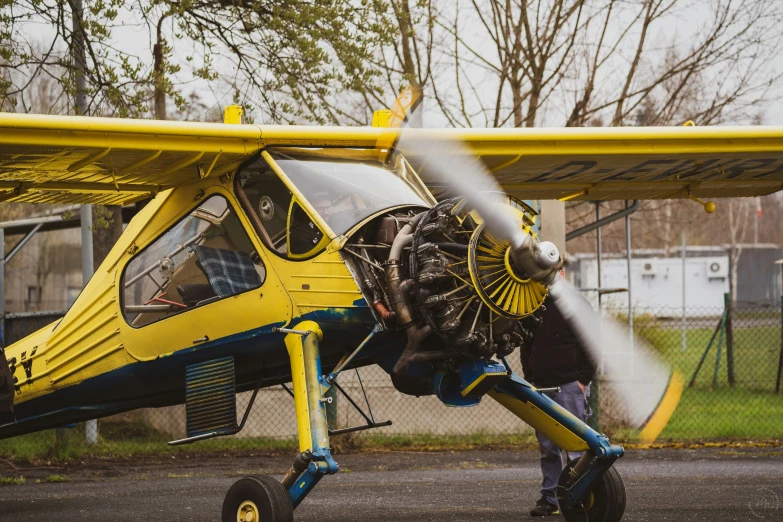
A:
263,499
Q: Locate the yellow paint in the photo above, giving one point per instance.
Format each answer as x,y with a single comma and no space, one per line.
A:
295,345
233,114
268,304
381,118
575,195
498,286
321,283
661,416
61,159
94,338
472,385
554,431
709,206
150,156
403,105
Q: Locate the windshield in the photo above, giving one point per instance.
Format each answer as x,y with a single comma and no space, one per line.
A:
343,191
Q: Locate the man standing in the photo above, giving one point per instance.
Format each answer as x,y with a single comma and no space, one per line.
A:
6,388
553,357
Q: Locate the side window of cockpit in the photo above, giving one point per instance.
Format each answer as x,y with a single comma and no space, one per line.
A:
268,200
205,257
283,224
305,236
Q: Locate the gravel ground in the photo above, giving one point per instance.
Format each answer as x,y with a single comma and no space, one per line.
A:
711,485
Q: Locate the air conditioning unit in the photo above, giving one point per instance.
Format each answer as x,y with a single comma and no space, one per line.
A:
649,269
717,268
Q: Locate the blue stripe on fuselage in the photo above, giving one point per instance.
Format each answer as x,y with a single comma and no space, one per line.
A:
258,353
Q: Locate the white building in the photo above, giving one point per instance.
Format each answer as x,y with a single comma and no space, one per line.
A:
657,282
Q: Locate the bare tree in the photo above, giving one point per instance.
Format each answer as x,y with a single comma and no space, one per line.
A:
576,63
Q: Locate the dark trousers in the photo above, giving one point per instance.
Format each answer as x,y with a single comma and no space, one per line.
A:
574,400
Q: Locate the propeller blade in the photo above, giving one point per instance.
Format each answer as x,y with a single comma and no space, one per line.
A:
453,165
646,387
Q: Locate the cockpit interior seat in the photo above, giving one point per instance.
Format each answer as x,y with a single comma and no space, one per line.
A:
193,294
229,272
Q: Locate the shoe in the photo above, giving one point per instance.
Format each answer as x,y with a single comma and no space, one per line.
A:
544,508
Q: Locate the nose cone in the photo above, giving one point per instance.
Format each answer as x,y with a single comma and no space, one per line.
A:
547,255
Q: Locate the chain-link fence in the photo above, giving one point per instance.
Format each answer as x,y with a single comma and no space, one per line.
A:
730,360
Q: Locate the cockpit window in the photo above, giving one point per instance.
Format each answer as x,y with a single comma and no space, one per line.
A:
305,235
269,201
346,191
205,257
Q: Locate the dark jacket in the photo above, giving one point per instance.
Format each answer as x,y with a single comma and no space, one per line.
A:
6,389
554,356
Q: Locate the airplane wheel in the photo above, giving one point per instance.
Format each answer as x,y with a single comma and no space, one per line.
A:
257,499
603,502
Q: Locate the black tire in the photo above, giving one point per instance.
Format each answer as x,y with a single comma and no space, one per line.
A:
603,502
260,499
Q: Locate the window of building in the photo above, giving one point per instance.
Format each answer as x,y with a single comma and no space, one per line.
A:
71,293
205,257
33,295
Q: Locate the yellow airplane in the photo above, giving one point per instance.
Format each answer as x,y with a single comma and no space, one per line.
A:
276,254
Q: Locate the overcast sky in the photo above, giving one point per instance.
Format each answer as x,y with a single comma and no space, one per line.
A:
133,37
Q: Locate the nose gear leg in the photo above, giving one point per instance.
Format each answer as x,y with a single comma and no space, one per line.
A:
309,385
584,478
264,498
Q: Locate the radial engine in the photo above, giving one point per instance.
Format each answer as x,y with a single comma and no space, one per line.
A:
456,289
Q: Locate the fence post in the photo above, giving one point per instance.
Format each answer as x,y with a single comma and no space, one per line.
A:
720,347
706,351
728,303
780,361
594,402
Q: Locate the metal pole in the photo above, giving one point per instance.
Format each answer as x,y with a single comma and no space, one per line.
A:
77,52
87,266
758,217
630,292
594,400
91,427
729,340
23,242
598,251
780,361
720,343
684,267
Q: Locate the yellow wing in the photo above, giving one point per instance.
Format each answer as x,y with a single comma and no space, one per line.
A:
629,163
48,159
63,159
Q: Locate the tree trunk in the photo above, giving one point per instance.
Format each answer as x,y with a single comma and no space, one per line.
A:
106,230
160,92
532,108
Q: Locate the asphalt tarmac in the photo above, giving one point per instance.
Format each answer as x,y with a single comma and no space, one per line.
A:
711,485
